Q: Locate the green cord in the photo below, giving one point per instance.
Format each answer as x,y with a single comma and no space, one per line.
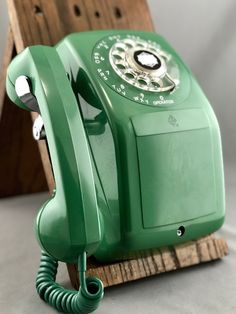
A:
86,300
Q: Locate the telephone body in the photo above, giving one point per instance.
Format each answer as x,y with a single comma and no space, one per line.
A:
134,144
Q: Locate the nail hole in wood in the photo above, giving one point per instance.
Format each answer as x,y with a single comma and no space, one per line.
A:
37,10
97,14
77,10
118,13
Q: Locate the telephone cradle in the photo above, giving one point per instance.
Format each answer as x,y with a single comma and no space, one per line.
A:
135,150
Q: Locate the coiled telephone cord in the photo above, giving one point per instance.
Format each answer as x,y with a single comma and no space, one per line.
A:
86,300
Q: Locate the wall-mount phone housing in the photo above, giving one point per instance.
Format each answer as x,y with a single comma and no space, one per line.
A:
134,143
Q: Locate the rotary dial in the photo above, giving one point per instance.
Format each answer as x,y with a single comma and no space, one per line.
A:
142,64
141,68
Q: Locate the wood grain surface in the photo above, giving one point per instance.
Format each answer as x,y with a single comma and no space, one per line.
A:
46,22
154,262
20,163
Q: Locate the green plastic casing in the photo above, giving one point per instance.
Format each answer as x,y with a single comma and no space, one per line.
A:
129,171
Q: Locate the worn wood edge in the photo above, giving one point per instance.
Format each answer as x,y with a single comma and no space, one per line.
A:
15,25
14,167
155,262
7,57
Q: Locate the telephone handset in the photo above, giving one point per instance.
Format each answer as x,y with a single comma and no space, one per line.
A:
63,221
135,151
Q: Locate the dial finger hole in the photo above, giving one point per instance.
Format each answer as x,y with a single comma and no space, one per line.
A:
156,51
129,43
121,47
142,82
155,84
165,56
129,75
120,66
117,56
159,83
140,45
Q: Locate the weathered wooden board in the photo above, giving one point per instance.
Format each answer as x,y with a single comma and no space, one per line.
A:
155,262
20,163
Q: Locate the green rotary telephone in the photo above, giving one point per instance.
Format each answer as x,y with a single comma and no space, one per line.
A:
135,150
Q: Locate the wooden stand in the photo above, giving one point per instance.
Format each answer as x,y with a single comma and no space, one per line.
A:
24,170
155,262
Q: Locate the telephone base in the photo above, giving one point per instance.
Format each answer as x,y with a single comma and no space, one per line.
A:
164,260
148,264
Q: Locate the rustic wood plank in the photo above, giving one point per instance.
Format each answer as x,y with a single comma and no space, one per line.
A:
8,54
20,164
47,22
155,262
